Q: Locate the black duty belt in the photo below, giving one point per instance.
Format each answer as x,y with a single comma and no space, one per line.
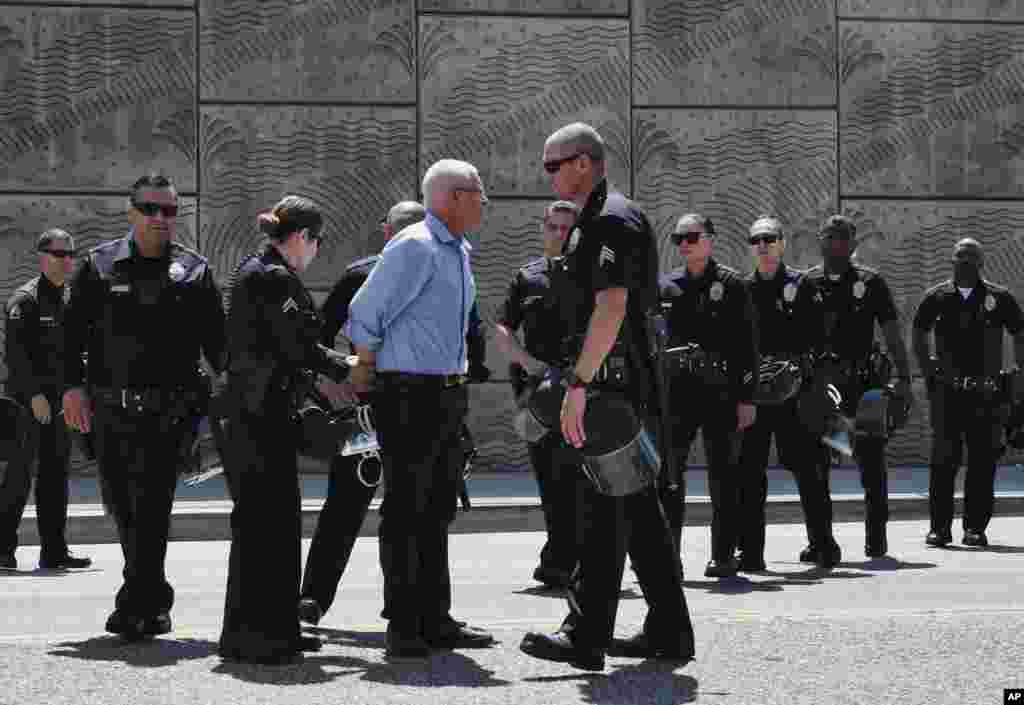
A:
425,380
986,385
694,359
145,399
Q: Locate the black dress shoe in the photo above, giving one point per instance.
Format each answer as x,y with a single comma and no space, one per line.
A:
641,646
560,647
551,577
720,569
974,538
8,562
830,558
458,635
129,626
810,554
939,538
309,611
68,560
157,624
402,645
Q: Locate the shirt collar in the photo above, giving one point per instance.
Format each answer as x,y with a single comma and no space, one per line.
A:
49,287
780,274
440,231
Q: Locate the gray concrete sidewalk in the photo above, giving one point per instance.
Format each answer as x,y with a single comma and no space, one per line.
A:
509,502
922,627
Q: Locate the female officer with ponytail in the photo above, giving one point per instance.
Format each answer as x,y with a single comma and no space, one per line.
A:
272,339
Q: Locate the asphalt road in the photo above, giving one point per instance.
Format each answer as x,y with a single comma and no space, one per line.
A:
925,626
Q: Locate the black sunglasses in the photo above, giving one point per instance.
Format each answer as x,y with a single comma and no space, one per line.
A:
766,239
554,165
317,237
60,253
690,237
151,209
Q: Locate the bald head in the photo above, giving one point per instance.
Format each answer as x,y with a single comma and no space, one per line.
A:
577,138
968,261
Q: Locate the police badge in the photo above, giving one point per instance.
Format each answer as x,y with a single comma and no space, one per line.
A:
858,290
716,291
176,272
990,303
789,292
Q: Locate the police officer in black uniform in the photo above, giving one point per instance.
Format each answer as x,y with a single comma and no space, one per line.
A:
35,379
708,306
850,299
968,315
143,307
783,321
348,498
530,305
607,286
273,336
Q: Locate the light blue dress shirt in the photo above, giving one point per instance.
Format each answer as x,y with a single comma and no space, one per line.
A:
413,309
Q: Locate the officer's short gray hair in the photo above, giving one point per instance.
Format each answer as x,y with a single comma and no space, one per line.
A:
445,176
581,138
561,207
54,235
404,214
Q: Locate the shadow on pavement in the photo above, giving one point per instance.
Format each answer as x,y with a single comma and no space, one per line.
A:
542,591
991,548
887,563
40,573
150,653
441,669
646,682
346,637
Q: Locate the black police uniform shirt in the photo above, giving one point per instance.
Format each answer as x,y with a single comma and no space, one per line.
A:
273,332
335,314
781,306
611,246
529,304
714,311
969,333
142,321
848,306
35,339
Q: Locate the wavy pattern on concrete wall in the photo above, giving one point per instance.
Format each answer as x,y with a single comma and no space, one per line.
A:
928,109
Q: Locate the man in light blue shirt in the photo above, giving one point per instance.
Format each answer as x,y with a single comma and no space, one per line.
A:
408,323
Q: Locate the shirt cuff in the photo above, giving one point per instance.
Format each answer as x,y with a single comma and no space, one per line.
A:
360,335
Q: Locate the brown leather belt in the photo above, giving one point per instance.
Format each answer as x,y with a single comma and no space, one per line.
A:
412,378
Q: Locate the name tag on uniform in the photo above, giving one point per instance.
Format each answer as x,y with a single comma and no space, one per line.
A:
120,288
46,319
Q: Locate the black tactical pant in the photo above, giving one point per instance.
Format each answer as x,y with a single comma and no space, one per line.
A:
560,481
139,457
717,422
869,455
418,424
50,445
261,618
613,527
800,453
341,518
958,417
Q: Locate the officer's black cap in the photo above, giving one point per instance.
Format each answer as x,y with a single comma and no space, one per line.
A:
54,235
839,225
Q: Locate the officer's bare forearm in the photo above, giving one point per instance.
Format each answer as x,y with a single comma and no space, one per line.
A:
922,348
605,322
511,348
896,347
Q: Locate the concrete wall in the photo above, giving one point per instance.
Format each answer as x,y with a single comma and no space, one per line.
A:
906,114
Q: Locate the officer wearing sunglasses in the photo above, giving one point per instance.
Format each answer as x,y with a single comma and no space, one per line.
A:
35,364
708,307
783,318
144,308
